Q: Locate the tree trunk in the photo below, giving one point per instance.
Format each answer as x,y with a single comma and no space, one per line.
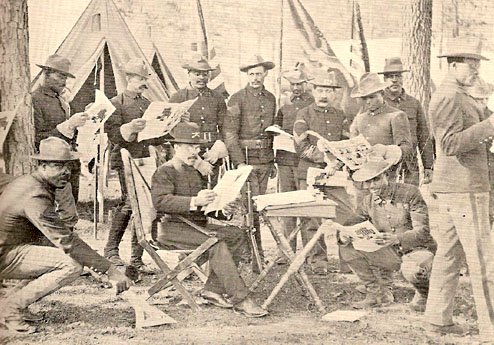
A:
15,82
416,49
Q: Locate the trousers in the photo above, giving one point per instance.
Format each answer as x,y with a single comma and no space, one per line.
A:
462,230
288,183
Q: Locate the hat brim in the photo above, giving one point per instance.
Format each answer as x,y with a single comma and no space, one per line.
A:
315,83
464,55
73,156
297,81
70,75
370,170
394,71
200,69
357,93
147,76
266,64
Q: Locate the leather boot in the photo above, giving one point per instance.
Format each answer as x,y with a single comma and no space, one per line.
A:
418,302
118,225
371,300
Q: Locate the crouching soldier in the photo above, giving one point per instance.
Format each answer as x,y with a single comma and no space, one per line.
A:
400,214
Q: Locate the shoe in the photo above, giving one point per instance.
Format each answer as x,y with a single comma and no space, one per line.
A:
418,302
370,301
142,267
281,261
30,317
216,299
13,320
116,260
449,329
386,297
320,268
249,308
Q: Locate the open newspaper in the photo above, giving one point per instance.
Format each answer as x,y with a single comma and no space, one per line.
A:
283,141
363,236
353,152
228,188
158,122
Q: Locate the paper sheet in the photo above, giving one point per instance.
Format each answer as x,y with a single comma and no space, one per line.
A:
275,129
101,109
283,141
363,235
286,198
158,123
228,188
345,315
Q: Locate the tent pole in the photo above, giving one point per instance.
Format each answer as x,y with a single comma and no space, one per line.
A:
101,149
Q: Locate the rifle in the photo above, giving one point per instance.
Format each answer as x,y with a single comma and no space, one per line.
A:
249,220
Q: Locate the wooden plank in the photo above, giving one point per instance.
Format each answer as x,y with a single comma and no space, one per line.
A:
325,209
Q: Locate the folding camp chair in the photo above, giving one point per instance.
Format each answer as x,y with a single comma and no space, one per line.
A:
139,194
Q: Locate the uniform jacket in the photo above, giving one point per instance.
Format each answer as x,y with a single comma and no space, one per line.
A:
208,111
329,122
127,109
285,119
402,211
250,112
48,112
460,130
35,217
419,129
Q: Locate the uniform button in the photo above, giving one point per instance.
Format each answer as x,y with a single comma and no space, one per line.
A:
325,110
329,134
262,120
202,108
327,121
296,108
393,229
389,217
368,125
262,106
490,137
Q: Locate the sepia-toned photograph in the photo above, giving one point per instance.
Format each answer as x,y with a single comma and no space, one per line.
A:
192,172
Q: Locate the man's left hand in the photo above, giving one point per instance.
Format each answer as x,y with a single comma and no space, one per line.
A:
273,172
427,176
385,238
230,208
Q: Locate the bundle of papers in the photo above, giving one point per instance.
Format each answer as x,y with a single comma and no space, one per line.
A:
286,198
283,141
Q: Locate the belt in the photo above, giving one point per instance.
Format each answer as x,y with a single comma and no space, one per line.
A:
256,143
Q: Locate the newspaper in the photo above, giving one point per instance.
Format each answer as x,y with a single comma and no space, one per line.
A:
286,198
353,152
228,188
101,109
363,236
282,142
158,123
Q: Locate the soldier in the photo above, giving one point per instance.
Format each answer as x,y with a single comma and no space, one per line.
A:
395,96
51,112
399,213
285,119
250,111
122,128
327,120
378,122
460,187
210,109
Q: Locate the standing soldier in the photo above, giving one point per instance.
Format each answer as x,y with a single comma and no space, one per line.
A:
250,111
460,187
209,111
122,128
52,113
285,119
378,122
324,118
395,96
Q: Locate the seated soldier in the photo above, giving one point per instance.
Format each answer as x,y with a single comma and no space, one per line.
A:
400,214
178,189
30,216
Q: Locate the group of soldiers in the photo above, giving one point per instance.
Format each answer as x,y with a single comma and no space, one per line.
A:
385,189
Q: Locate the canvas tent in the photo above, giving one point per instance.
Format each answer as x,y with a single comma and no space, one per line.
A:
98,45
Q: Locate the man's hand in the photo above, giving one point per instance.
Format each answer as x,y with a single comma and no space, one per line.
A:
230,208
322,146
137,125
427,176
203,167
78,120
273,172
118,279
204,197
385,238
185,117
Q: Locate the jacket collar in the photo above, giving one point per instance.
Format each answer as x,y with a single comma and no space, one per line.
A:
205,91
260,91
303,97
322,109
47,91
401,97
132,95
46,186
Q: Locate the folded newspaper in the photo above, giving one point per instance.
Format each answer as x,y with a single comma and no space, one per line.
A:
283,141
353,152
363,236
158,123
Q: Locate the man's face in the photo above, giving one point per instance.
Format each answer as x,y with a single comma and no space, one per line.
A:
466,72
136,83
397,79
323,96
55,81
187,153
256,76
373,101
377,185
198,79
297,88
57,174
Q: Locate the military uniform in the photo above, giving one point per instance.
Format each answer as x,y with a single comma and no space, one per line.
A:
419,133
461,197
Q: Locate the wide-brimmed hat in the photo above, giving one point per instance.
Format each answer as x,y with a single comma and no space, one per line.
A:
137,67
55,149
480,89
296,76
198,63
369,84
393,65
380,158
326,80
465,47
187,133
255,61
57,63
